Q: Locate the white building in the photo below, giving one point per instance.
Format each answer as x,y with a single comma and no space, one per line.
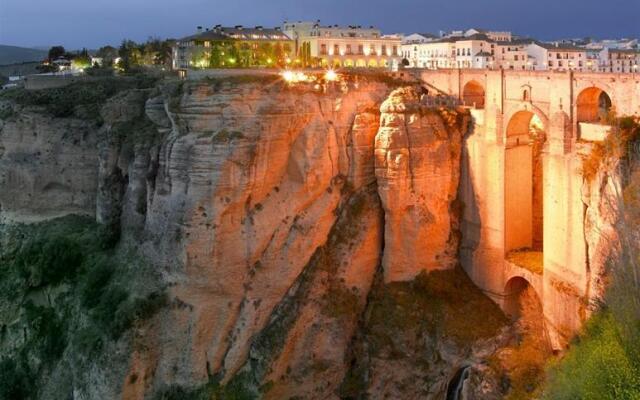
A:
620,60
351,46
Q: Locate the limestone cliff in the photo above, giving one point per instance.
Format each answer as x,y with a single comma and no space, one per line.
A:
418,170
276,215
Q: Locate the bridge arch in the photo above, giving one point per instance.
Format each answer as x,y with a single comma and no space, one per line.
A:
523,182
520,297
593,104
473,94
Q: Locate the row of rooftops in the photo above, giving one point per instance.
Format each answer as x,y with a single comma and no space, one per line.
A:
239,32
515,41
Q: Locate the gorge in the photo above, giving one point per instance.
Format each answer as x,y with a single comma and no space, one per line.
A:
348,240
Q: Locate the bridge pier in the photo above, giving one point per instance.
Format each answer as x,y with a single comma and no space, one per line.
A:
514,103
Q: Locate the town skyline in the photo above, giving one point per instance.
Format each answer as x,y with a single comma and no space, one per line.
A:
103,24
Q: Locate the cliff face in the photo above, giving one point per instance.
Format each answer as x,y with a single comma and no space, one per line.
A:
47,166
418,170
270,211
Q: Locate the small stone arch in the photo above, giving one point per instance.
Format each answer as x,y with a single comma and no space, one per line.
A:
348,63
361,63
518,294
473,94
373,63
593,105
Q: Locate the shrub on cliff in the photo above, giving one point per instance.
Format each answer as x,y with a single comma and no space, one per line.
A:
601,365
86,96
64,295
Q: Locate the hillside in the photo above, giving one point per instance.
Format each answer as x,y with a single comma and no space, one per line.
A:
16,55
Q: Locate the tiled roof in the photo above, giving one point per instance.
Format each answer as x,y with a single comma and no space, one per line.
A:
240,33
560,46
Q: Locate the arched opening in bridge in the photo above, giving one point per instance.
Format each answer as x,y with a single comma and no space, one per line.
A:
473,95
593,105
523,191
520,298
532,347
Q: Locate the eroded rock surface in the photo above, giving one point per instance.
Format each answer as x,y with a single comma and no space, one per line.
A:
418,171
272,212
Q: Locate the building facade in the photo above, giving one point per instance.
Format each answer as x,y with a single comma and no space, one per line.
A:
336,46
221,47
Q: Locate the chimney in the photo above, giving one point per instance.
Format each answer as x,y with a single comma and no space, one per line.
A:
199,29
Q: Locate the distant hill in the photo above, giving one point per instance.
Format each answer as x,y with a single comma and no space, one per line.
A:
16,55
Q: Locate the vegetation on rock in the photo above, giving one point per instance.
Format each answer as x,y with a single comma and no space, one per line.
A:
81,100
66,295
603,362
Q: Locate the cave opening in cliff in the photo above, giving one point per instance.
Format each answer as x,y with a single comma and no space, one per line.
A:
593,105
523,196
473,95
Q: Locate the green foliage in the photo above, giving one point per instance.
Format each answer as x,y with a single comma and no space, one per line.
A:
16,379
599,366
56,52
63,102
48,261
63,290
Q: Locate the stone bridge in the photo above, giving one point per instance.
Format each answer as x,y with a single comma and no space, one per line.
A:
522,185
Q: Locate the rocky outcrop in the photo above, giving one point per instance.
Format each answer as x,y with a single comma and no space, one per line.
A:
271,212
247,187
418,171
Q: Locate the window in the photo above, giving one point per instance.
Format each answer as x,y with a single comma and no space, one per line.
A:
336,49
395,50
360,49
349,49
323,49
384,49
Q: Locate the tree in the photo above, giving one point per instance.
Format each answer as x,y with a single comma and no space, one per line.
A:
108,55
56,52
130,55
82,60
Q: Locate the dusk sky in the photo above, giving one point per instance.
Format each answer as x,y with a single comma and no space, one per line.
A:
87,23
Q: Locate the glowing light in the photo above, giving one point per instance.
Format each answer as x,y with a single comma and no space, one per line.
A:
269,61
288,60
232,60
295,77
331,75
